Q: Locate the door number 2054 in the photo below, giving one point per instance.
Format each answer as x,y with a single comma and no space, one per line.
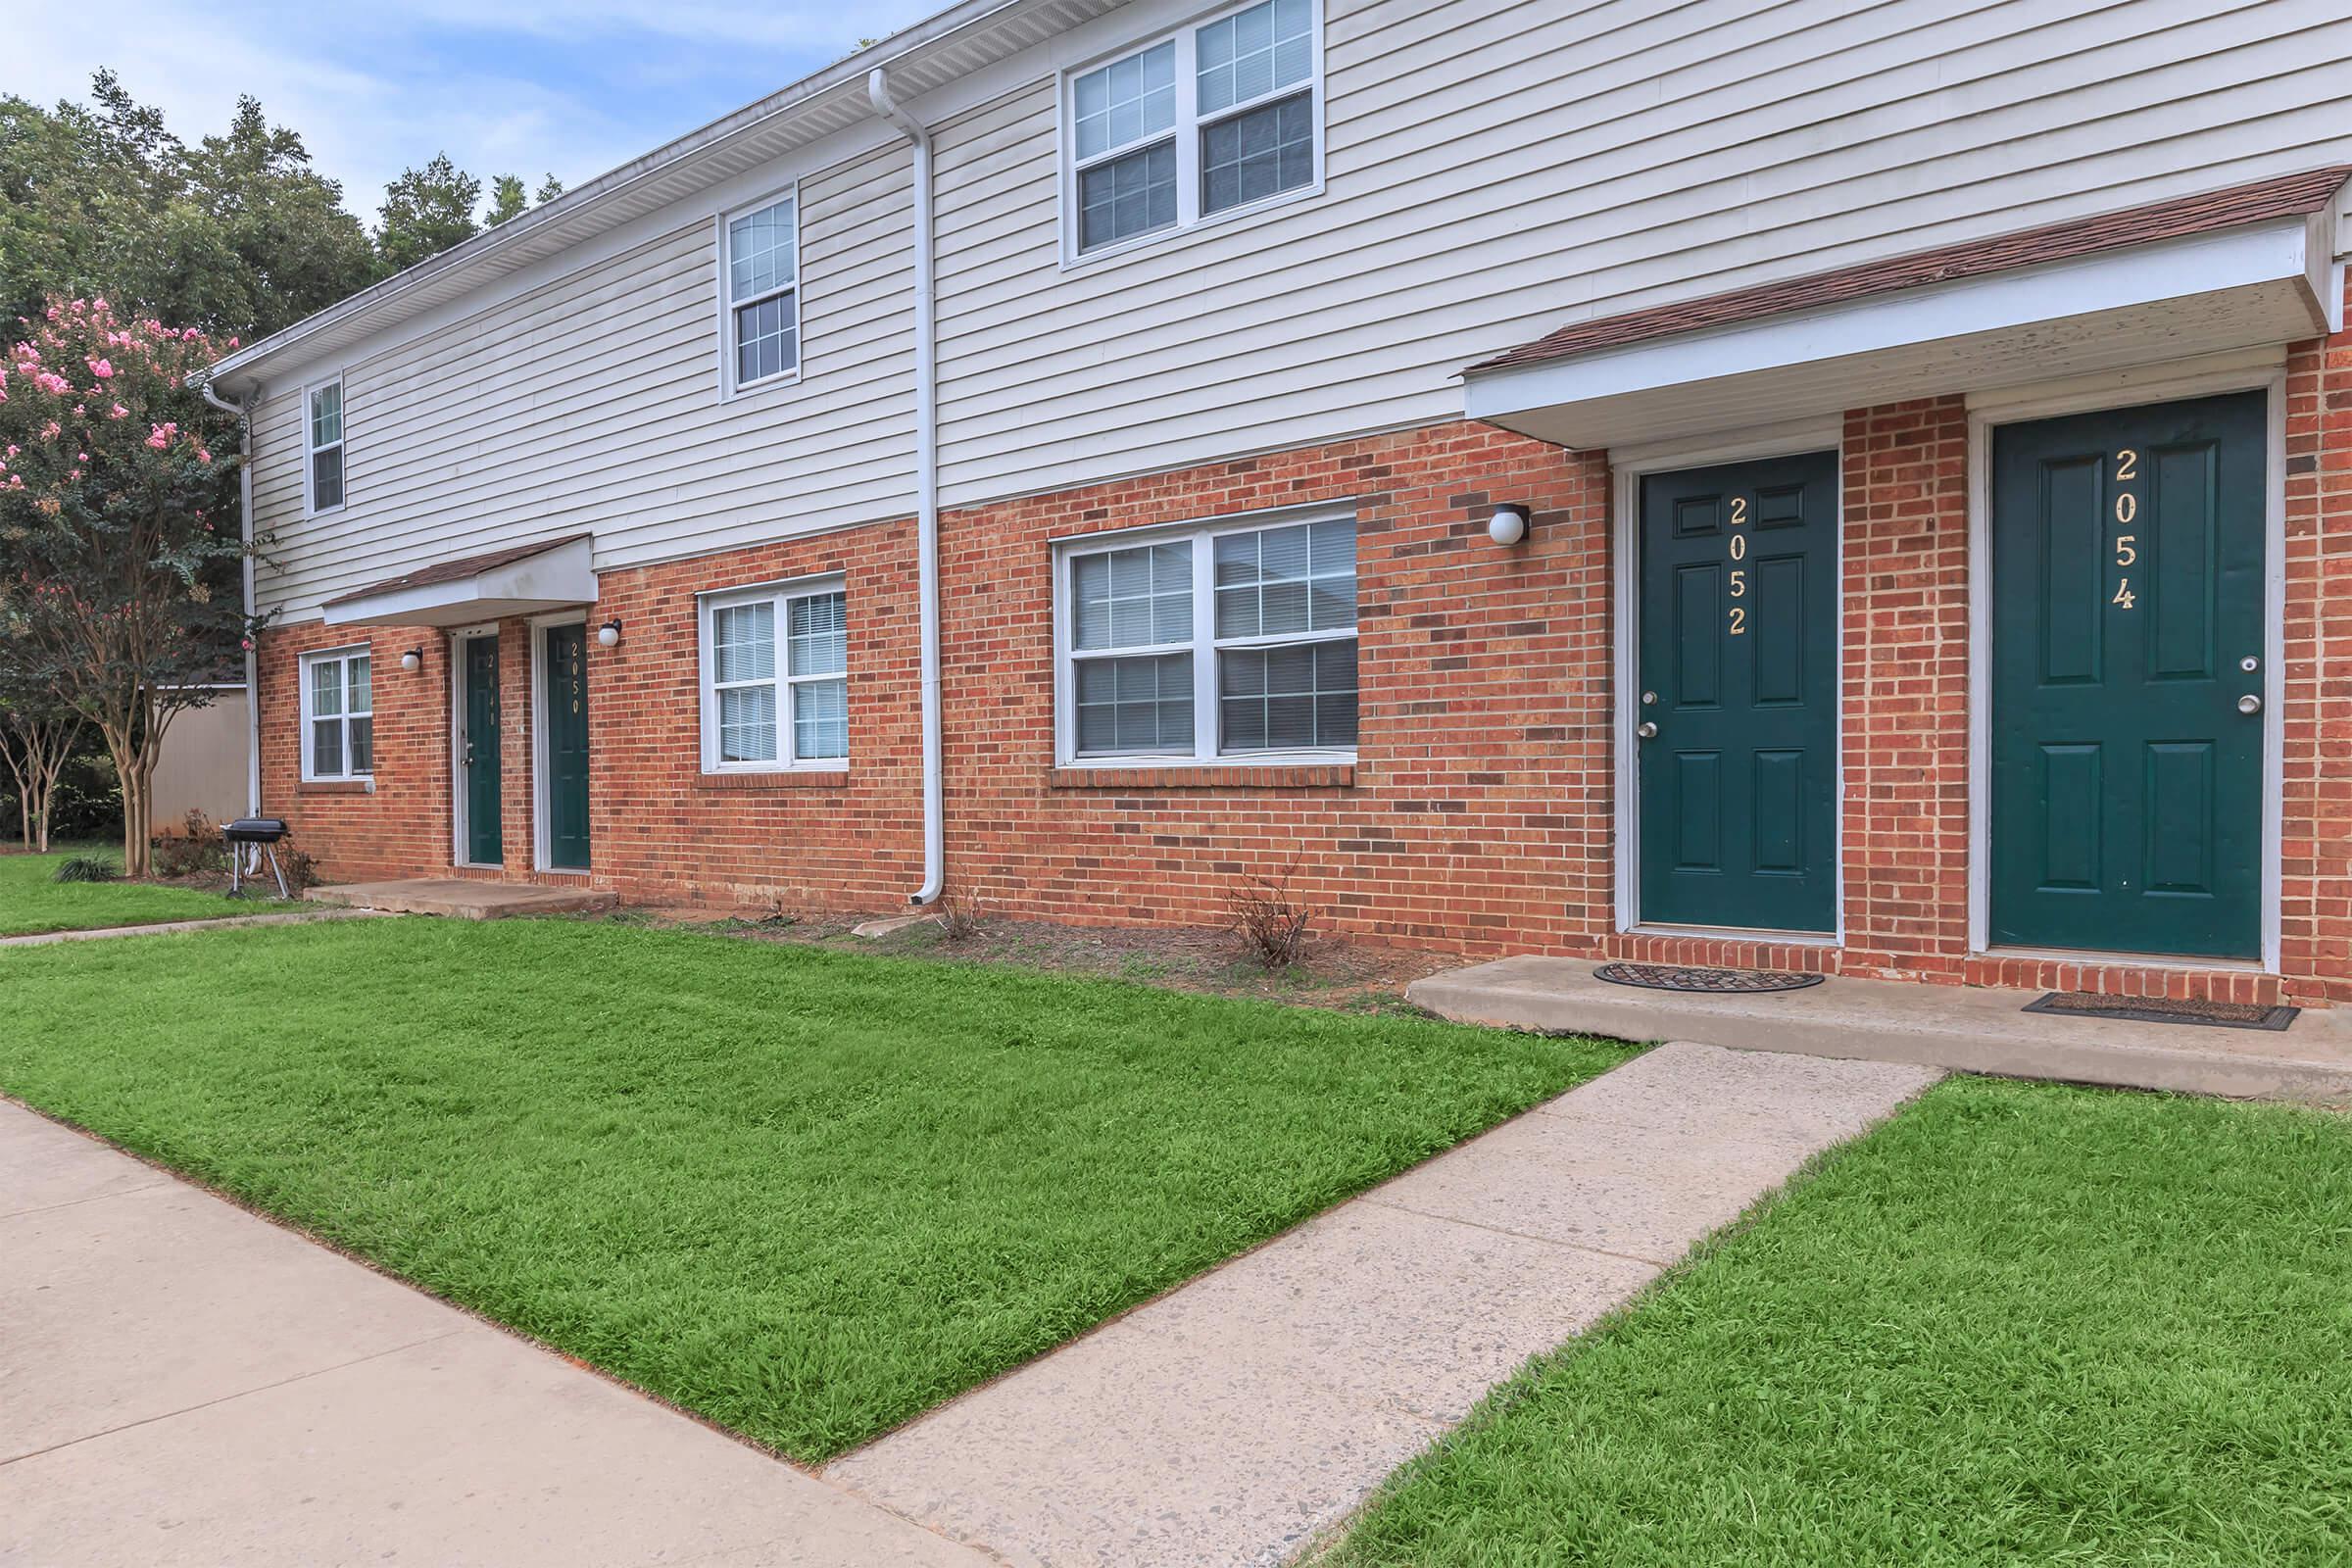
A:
2126,511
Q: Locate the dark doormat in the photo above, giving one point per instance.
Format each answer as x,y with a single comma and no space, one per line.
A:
2163,1009
1689,977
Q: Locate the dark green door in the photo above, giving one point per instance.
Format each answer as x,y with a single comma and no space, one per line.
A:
2126,631
1739,673
565,699
486,842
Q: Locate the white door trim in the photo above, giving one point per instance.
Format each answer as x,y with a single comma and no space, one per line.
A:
2264,371
458,637
1626,466
539,823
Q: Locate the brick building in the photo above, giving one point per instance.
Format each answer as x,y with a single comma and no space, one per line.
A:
1930,577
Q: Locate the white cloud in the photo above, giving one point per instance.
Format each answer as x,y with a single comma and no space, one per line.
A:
501,85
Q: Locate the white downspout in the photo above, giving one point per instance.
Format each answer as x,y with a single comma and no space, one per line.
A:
926,486
253,654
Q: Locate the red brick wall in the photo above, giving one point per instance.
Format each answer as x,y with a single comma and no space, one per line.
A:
1478,816
2316,860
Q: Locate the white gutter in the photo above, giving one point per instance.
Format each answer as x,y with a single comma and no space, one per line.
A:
253,657
926,486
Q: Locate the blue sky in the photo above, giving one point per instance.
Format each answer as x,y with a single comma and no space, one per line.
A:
501,85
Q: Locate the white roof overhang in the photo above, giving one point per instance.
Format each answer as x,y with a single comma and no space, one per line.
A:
558,577
2263,283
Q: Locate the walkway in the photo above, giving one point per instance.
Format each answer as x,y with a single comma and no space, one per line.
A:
1235,1418
181,1382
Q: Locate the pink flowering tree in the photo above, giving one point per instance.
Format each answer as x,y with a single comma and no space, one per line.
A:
119,539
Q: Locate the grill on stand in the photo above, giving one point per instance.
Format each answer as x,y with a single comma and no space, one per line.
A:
251,840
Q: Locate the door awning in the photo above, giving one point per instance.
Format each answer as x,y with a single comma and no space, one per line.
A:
2253,265
520,580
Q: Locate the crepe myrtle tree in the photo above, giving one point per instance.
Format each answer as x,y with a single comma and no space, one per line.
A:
119,542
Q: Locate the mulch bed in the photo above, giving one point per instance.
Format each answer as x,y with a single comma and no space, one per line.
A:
1347,975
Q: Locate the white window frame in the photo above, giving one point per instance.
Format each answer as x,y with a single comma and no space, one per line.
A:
781,594
729,387
341,446
302,675
1204,645
1186,131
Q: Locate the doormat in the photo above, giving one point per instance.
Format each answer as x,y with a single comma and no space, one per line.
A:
1689,977
2163,1009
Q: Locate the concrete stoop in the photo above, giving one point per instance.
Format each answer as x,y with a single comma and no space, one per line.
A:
463,899
1964,1029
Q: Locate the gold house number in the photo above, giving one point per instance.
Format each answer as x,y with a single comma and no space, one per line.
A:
2126,508
1739,617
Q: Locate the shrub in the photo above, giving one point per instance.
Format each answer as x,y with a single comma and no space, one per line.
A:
197,847
86,868
959,914
1270,922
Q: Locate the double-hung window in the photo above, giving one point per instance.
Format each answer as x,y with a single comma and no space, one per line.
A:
775,678
1210,642
323,445
1221,115
760,271
338,715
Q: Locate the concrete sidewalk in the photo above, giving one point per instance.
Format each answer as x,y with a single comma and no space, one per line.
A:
1231,1420
183,1382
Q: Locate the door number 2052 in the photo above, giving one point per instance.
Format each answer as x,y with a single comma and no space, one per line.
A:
1739,548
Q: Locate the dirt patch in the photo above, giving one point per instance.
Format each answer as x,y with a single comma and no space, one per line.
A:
1344,975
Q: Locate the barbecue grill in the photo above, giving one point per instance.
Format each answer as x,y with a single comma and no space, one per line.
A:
251,840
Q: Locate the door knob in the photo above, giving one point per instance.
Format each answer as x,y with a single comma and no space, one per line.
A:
2249,704
1645,729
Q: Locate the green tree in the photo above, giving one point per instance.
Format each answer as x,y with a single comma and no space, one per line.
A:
507,199
549,189
118,537
426,212
236,235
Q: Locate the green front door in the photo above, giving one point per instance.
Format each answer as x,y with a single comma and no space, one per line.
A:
477,753
1739,676
564,698
2127,679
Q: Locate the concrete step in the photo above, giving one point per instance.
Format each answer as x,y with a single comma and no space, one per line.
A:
1966,1029
463,899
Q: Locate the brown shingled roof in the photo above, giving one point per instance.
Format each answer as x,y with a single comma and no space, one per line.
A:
2288,196
458,569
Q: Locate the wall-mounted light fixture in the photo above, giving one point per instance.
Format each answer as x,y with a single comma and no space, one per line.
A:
412,660
1508,525
609,634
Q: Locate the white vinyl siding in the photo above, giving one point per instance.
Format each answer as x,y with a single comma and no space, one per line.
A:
593,398
1224,641
324,439
1496,169
338,715
1222,115
775,678
1491,169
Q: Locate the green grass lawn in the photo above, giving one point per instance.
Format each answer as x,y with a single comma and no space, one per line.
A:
2020,1324
31,903
805,1194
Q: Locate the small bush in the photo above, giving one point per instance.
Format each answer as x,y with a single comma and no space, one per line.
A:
196,848
302,872
86,868
1270,922
959,914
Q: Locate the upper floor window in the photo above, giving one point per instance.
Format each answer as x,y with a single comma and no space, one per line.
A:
338,715
1208,642
324,443
775,678
762,267
1220,116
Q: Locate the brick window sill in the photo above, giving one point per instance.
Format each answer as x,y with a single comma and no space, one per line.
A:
829,778
1212,776
334,785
